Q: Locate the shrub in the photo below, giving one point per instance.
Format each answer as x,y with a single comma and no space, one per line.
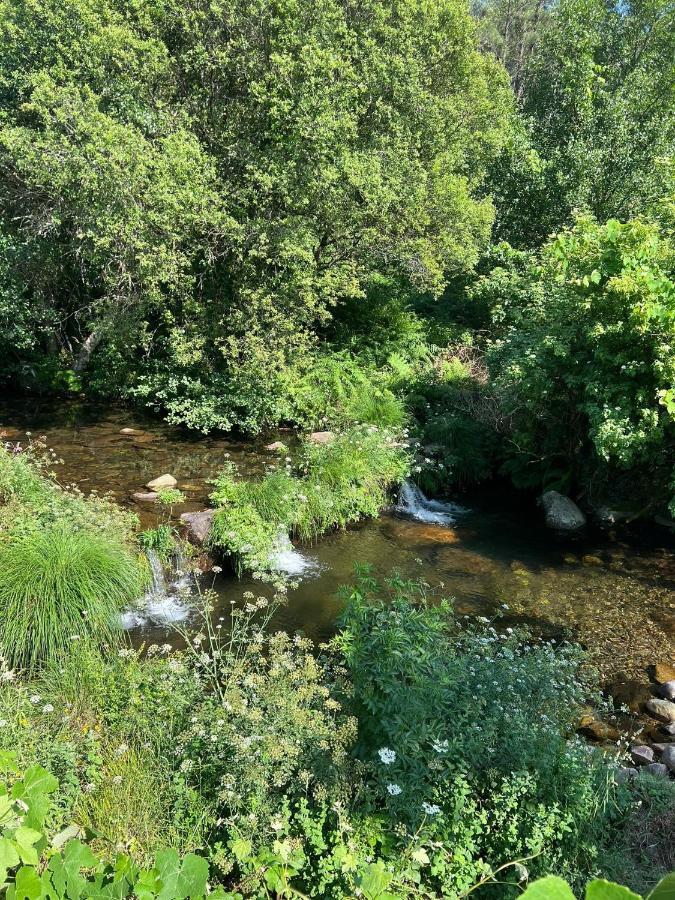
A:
467,732
334,485
59,585
582,357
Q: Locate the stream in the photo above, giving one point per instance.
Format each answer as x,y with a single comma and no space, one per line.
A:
613,591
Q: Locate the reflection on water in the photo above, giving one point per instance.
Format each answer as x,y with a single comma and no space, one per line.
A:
615,594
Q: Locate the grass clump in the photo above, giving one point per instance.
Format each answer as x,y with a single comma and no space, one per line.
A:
331,486
59,584
68,563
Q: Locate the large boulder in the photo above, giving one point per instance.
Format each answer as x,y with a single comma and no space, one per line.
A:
198,525
642,755
562,513
661,709
162,483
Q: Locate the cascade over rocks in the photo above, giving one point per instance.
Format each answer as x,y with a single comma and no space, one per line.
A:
561,513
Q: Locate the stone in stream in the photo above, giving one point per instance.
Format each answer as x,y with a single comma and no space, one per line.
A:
163,482
667,690
145,497
668,757
276,445
321,437
198,525
642,755
562,513
657,769
128,431
661,709
664,672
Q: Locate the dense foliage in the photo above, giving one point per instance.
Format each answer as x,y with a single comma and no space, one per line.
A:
415,753
334,484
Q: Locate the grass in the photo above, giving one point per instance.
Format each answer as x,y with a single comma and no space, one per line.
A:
59,584
332,486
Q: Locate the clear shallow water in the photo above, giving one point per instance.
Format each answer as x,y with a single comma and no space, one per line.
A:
614,592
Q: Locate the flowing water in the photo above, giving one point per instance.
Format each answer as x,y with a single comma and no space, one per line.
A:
612,591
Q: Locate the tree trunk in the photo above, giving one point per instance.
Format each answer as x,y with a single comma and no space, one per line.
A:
85,352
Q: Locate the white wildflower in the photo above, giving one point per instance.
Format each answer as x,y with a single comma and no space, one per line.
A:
431,809
386,755
394,789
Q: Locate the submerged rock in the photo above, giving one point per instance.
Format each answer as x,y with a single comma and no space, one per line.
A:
661,709
198,525
321,437
145,497
163,482
276,445
128,431
562,513
664,672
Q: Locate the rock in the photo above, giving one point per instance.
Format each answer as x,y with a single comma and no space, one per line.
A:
198,525
657,769
661,709
562,513
162,483
625,773
667,690
642,755
589,560
321,437
664,672
145,497
669,729
592,727
668,757
276,445
608,516
128,431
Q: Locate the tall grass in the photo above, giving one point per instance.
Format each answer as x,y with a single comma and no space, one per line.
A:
332,486
59,584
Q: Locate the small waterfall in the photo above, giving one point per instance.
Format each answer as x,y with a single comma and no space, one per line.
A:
291,561
413,503
165,602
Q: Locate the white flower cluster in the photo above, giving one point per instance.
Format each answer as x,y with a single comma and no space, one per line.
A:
386,755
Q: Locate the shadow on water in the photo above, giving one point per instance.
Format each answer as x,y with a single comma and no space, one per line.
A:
615,593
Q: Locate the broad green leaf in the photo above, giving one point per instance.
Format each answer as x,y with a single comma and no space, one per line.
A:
241,849
25,838
599,889
549,888
167,864
374,881
194,874
665,889
9,857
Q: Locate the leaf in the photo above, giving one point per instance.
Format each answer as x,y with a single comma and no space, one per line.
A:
167,864
241,849
549,888
9,857
25,838
665,889
374,881
27,886
599,889
194,874
65,869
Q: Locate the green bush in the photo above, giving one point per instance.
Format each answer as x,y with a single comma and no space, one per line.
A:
582,357
59,585
468,733
333,485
